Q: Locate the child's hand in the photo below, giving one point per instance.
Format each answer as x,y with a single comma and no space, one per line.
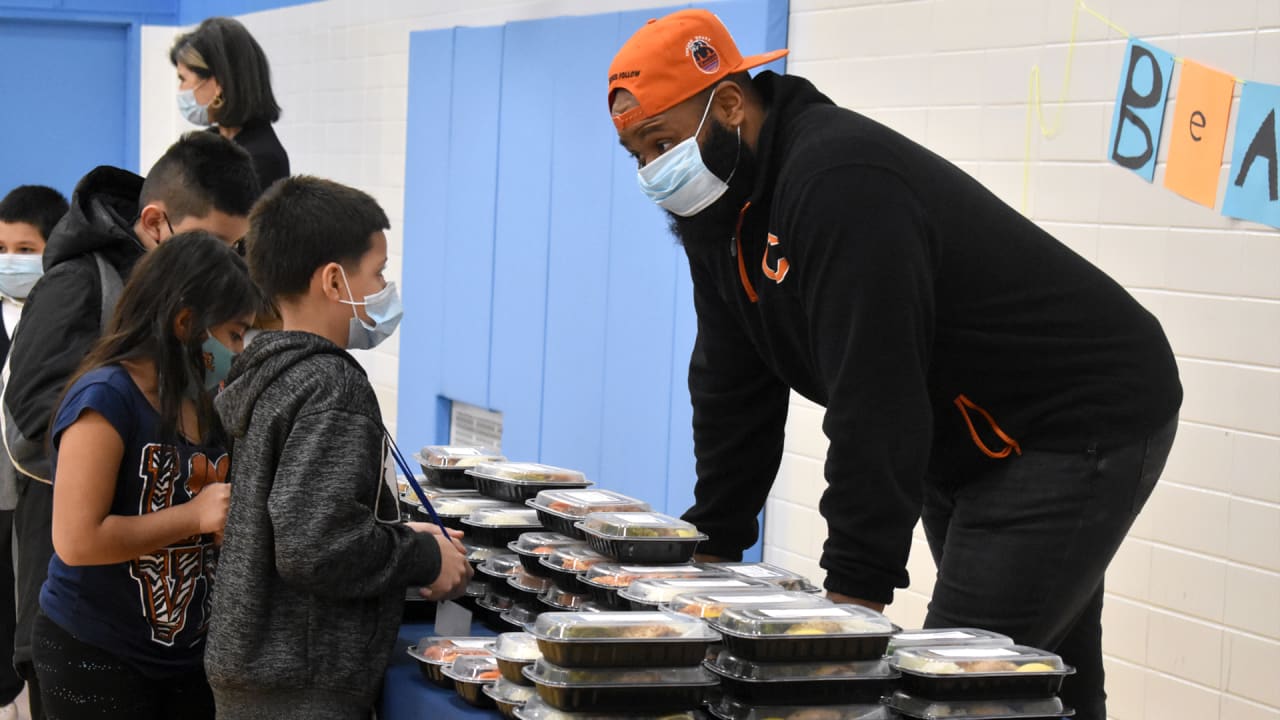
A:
455,571
433,529
210,507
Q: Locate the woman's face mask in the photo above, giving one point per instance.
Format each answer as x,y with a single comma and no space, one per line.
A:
382,307
191,109
679,180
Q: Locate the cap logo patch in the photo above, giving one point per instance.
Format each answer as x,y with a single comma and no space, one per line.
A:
704,55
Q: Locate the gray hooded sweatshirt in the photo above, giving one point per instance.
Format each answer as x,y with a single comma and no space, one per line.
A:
311,580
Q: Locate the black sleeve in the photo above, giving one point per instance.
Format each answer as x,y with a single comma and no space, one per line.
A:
270,166
739,417
60,323
861,257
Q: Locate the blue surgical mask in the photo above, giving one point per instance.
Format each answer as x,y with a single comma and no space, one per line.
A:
193,111
18,273
382,307
217,362
680,181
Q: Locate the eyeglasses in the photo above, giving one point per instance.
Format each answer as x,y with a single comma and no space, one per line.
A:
238,246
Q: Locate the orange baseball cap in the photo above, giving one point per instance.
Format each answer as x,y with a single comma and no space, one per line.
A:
671,59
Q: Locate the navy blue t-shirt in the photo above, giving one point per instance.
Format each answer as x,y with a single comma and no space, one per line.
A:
152,611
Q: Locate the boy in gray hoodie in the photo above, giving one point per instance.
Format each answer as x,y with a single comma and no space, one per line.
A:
315,562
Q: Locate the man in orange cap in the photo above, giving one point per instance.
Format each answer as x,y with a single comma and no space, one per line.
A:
975,372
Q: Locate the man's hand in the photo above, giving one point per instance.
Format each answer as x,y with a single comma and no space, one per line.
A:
845,599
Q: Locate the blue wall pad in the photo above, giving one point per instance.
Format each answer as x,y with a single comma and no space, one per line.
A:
538,280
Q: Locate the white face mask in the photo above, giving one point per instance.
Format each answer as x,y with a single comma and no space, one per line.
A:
18,273
680,181
191,109
383,307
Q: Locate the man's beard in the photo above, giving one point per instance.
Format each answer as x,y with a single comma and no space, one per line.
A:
722,155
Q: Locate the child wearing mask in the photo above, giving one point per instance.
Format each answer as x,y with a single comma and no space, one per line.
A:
27,216
313,572
139,493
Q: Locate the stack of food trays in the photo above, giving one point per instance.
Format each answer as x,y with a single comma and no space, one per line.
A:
794,649
604,580
445,466
621,662
536,709
520,481
651,593
434,654
968,673
640,537
562,509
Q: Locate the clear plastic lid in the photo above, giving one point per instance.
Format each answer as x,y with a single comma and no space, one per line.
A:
637,626
435,494
729,708
577,503
537,709
473,669
503,565
574,558
457,456
540,542
516,647
522,473
710,604
771,622
639,525
727,664
544,673
924,709
479,553
558,598
503,517
780,576
476,589
977,660
521,614
464,505
444,650
620,575
524,580
505,691
660,590
496,601
943,637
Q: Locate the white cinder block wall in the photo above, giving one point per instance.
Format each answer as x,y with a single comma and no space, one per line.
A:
1193,612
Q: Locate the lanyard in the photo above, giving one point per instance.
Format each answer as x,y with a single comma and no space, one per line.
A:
413,483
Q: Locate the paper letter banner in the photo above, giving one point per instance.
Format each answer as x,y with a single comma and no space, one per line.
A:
1251,182
1140,104
1199,134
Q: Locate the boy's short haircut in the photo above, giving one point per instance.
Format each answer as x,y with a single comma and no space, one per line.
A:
199,173
36,205
303,223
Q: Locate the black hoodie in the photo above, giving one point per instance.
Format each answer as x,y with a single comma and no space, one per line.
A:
315,563
62,317
941,330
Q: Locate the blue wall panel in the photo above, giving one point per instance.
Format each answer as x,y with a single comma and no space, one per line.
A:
421,419
469,223
521,237
50,73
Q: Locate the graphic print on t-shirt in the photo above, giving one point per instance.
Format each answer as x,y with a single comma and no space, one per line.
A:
167,579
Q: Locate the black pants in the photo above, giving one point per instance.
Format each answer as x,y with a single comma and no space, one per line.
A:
33,528
10,682
1022,546
79,681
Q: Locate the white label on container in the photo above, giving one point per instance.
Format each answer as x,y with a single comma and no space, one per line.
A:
523,467
762,599
641,518
647,569
754,571
805,612
949,635
974,652
461,451
472,643
707,583
593,496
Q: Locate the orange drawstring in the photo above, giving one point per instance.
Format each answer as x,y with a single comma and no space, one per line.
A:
1011,445
742,265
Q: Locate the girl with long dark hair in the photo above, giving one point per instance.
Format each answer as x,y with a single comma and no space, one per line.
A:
139,493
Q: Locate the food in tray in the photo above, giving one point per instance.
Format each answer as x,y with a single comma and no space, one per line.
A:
522,579
503,517
575,558
526,472
517,646
763,622
711,605
577,503
457,456
618,626
639,525
621,575
583,632
446,650
977,660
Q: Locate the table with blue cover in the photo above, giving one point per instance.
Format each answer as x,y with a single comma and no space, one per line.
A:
406,695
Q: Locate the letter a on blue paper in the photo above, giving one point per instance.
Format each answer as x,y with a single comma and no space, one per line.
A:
1251,182
1140,104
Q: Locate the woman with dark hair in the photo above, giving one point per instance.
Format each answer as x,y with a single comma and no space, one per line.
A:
224,80
139,498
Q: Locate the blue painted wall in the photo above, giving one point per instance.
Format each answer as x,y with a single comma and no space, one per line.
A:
538,279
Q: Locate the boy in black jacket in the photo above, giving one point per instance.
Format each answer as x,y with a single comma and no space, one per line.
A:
315,564
202,182
975,372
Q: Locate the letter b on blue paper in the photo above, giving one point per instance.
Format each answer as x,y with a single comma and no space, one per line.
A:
1140,103
1251,185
